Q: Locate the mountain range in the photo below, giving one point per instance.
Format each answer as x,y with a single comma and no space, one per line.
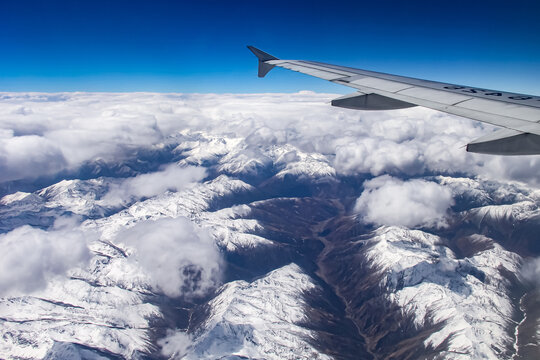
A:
251,229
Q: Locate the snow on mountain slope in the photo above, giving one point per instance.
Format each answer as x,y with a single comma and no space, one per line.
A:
477,192
190,202
68,197
201,149
270,180
258,320
76,196
22,208
469,296
291,160
104,306
105,317
238,156
20,197
231,231
506,213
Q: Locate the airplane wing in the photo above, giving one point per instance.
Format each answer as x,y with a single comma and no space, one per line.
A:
517,114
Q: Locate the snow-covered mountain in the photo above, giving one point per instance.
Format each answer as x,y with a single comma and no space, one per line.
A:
241,234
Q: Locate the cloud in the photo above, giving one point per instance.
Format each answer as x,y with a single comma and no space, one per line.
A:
31,257
55,132
171,177
390,201
376,157
29,157
179,258
530,272
175,344
61,131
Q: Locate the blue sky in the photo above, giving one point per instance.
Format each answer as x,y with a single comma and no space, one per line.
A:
200,46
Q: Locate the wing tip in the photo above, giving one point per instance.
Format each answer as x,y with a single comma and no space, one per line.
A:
264,67
261,55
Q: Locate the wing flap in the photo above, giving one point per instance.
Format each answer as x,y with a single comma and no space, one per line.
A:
506,142
361,101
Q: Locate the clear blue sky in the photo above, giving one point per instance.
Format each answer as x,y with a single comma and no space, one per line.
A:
200,46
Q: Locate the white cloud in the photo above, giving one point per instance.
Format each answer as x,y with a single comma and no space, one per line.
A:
175,344
30,257
179,258
28,157
390,201
530,272
171,177
58,131
376,157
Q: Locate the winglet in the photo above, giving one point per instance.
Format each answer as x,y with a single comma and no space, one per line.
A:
264,67
261,54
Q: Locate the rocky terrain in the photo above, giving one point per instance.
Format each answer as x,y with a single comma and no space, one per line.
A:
265,243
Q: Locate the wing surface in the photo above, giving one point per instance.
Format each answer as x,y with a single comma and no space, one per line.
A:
517,113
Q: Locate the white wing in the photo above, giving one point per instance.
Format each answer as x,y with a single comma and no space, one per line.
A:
518,114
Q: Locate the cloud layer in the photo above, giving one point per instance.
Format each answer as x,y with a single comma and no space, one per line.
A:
42,134
390,201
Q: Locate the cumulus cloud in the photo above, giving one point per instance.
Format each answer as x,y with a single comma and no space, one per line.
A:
390,201
171,177
178,257
54,132
175,344
45,133
28,157
376,157
30,257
